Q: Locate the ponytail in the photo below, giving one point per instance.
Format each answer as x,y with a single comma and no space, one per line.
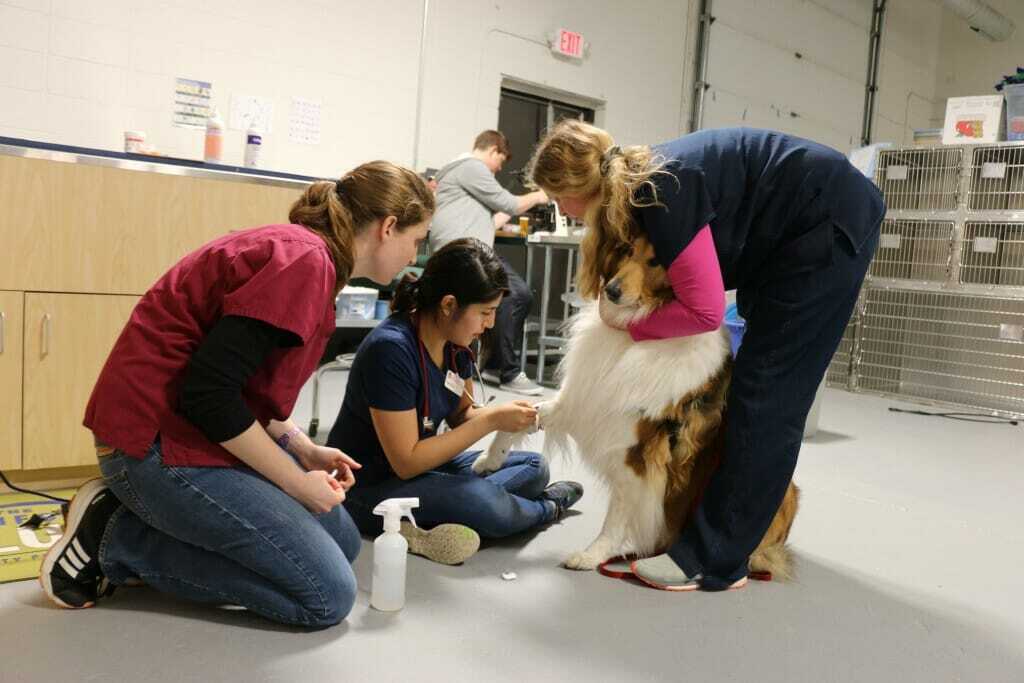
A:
406,296
321,209
580,160
338,211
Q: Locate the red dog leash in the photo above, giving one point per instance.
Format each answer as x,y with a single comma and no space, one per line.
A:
619,568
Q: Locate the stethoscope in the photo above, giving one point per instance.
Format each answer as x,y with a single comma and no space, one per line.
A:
428,423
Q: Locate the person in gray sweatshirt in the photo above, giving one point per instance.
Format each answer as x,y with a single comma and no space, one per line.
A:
468,197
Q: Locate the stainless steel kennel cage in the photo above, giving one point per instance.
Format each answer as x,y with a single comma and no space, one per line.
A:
940,318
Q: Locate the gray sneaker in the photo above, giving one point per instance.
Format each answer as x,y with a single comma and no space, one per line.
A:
521,384
445,543
491,377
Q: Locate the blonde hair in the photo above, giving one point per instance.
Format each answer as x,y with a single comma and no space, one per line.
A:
338,211
580,160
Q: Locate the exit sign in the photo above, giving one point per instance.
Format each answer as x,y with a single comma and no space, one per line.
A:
568,43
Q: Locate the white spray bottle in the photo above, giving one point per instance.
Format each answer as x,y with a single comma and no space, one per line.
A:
389,555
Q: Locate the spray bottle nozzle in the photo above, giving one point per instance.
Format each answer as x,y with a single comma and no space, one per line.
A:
393,509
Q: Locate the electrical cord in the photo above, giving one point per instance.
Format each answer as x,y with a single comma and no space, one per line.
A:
30,491
963,417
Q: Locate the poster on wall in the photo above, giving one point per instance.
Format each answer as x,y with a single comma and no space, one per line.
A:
304,121
192,103
251,111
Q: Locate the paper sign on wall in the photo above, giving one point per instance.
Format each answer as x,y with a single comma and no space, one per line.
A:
251,111
304,121
192,103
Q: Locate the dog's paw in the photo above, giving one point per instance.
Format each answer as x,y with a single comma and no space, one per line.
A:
544,411
582,561
485,465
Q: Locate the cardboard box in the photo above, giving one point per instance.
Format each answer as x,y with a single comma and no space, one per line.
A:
973,120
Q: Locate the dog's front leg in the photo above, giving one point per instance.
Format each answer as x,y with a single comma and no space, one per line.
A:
504,443
494,457
611,542
547,414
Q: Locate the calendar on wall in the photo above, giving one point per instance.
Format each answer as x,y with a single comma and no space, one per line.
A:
304,121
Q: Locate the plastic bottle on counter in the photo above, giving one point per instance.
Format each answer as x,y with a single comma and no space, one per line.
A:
213,150
253,147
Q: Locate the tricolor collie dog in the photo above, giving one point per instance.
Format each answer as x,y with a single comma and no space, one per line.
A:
647,418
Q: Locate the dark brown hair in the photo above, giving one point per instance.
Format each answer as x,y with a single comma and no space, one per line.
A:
493,138
466,268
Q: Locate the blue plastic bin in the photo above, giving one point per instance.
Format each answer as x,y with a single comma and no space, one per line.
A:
1014,95
736,326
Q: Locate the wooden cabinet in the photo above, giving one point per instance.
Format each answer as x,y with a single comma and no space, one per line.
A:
80,243
80,228
67,340
11,315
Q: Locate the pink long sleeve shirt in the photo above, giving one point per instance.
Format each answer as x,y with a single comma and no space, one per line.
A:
699,304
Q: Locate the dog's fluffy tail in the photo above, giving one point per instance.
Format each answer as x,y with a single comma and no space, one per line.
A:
775,558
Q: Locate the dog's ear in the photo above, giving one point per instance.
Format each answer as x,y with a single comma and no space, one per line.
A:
614,256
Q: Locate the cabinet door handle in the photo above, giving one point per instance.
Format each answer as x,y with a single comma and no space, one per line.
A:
3,329
46,333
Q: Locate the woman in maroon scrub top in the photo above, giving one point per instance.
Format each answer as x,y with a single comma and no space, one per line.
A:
209,492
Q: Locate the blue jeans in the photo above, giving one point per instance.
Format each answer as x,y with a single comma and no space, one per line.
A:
501,504
794,325
221,535
507,333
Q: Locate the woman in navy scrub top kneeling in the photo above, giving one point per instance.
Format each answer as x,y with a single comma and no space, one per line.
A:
410,374
789,224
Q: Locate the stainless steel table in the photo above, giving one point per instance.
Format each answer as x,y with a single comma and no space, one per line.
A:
549,243
342,362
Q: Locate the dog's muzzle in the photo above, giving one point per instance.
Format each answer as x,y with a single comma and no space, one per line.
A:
613,291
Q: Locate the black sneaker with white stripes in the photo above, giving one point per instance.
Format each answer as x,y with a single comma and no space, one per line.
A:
71,574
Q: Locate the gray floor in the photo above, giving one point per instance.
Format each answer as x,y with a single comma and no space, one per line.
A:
909,541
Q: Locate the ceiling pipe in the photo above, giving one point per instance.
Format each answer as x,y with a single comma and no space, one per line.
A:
982,18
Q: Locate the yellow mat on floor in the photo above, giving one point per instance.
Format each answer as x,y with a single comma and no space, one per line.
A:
22,550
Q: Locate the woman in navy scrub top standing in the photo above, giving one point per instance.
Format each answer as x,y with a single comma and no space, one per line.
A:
791,226
412,373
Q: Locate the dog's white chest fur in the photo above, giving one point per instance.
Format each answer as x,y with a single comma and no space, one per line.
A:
609,381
